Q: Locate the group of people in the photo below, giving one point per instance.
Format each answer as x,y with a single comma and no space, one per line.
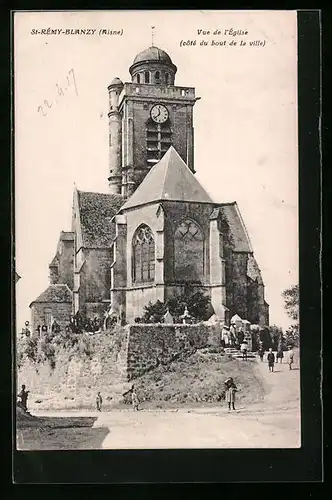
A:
134,400
230,337
272,359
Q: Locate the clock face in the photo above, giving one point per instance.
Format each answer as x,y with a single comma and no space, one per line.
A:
159,113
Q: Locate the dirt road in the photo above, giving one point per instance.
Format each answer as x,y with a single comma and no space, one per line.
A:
273,423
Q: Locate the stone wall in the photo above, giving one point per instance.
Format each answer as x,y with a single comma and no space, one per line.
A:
149,345
108,363
60,311
78,376
94,279
66,263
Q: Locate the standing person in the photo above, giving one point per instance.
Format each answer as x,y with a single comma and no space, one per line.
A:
244,350
23,395
134,399
230,389
226,339
261,352
280,354
99,401
290,358
270,359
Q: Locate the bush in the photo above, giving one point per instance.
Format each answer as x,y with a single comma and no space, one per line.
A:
198,304
31,348
47,352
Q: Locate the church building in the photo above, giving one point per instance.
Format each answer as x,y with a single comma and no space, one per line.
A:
157,232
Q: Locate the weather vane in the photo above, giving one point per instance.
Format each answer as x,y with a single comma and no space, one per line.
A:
152,34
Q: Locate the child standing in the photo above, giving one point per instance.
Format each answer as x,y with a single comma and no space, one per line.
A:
244,350
230,389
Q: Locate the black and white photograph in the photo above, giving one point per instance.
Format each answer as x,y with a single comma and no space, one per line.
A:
156,230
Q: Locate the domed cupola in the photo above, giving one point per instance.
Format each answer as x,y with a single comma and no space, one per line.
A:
153,66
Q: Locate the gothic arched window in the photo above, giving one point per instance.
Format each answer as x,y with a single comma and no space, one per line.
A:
188,252
138,78
157,77
147,77
143,255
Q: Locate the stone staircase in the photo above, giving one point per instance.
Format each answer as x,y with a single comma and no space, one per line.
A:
238,354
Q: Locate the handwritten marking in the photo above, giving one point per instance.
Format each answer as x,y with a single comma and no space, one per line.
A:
71,81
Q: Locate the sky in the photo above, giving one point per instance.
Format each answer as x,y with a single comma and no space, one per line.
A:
246,145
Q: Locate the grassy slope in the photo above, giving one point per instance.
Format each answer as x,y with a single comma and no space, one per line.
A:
198,380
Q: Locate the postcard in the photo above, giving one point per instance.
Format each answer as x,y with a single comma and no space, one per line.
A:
156,231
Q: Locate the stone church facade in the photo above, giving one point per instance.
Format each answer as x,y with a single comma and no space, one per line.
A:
157,232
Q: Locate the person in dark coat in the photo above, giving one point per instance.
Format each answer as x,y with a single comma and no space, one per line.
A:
271,359
99,401
261,352
230,389
280,354
23,395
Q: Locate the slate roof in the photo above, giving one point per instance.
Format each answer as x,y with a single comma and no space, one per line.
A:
55,293
96,211
230,213
170,180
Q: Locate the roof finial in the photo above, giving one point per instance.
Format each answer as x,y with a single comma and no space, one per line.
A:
152,35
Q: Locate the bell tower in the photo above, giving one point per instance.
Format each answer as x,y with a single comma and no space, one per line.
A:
146,117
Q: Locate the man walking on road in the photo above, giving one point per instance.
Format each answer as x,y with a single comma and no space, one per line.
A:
270,359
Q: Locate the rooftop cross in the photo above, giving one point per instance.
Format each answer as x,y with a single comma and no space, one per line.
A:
152,34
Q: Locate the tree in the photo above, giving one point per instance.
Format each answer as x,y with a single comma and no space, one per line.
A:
276,335
154,312
291,297
292,336
198,305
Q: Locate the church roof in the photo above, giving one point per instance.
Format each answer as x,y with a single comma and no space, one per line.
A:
153,54
55,293
96,213
116,81
170,180
230,213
